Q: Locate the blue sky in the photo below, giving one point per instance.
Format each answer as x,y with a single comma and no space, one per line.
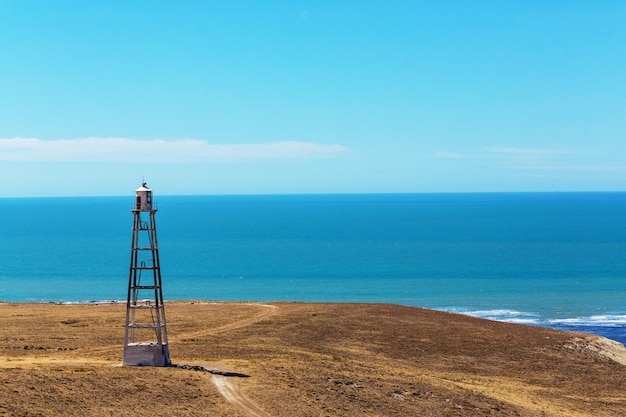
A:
232,97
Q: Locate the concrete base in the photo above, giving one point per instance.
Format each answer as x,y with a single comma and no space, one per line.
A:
146,354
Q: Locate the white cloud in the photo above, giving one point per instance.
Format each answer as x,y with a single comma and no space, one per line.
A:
532,158
156,150
508,153
528,151
588,168
555,159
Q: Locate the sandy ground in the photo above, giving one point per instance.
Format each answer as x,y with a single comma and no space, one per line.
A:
294,359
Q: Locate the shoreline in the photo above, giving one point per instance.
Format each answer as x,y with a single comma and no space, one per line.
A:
611,329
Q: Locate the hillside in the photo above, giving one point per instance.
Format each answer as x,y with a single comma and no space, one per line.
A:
295,359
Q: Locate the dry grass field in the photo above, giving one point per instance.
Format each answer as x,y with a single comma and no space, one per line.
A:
291,359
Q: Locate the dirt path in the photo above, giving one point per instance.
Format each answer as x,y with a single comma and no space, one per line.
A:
227,385
270,311
230,391
225,379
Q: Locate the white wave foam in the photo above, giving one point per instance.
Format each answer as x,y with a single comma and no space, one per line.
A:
90,302
522,317
506,315
519,320
602,320
498,312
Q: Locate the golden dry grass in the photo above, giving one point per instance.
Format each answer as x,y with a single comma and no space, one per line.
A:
303,360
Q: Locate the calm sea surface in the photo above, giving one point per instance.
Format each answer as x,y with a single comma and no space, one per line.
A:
551,259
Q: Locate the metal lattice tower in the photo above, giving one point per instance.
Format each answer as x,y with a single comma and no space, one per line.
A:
145,338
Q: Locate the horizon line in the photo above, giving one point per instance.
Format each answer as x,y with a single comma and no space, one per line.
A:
324,193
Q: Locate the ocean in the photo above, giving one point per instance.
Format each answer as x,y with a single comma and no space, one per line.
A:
546,259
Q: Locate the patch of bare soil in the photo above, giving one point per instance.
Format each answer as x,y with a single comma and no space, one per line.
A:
304,360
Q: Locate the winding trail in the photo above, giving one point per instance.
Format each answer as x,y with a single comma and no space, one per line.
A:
230,391
225,384
270,311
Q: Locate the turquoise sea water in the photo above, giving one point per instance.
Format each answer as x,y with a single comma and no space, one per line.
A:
551,259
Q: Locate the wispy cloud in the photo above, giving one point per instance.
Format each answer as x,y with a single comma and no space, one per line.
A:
587,168
530,158
554,159
156,150
528,151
